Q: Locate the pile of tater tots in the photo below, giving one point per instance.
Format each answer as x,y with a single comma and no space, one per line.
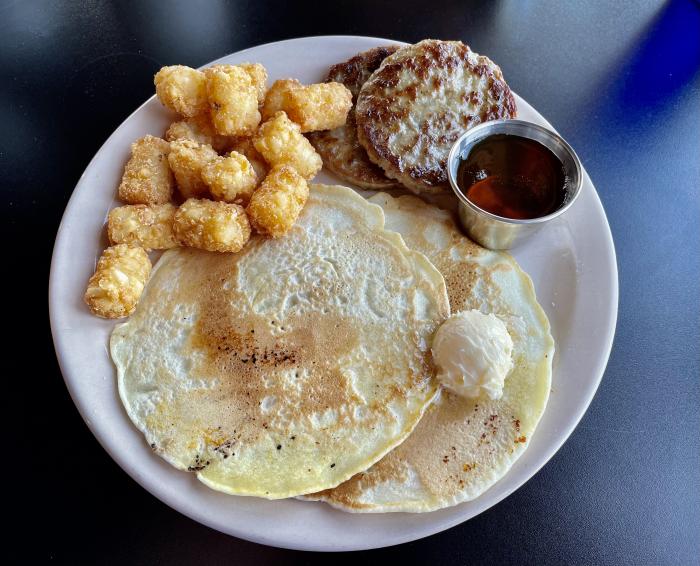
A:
235,162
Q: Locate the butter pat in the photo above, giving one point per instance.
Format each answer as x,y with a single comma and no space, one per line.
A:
473,354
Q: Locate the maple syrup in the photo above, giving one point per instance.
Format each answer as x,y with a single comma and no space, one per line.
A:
513,177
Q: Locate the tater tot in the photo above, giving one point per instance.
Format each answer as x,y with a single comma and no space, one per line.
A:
182,89
233,100
274,98
258,76
147,177
187,158
199,129
245,147
116,286
150,227
277,203
280,142
211,225
231,178
323,106
257,73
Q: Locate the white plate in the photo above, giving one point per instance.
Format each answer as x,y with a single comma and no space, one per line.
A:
572,263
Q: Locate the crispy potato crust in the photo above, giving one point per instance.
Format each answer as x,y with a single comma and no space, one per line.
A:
276,205
231,179
245,147
211,225
182,89
148,226
280,142
233,100
274,99
319,106
187,158
147,177
199,129
258,76
116,286
314,107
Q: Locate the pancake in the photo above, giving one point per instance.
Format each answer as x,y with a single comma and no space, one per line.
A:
420,100
462,446
340,149
290,366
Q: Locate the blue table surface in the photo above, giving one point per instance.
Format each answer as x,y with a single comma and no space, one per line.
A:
619,80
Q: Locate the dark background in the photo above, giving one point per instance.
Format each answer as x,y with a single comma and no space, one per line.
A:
620,81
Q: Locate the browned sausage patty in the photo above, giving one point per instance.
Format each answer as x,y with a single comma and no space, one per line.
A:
419,101
339,148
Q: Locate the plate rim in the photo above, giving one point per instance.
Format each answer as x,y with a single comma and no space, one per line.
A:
551,448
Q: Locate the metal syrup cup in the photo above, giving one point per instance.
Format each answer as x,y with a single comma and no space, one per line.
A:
498,232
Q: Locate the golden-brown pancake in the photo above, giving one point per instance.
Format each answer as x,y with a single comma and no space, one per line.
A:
461,446
292,365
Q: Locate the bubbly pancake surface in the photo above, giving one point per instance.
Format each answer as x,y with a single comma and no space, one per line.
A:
290,366
462,446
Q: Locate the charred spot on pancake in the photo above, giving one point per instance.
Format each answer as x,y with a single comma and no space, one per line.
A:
198,464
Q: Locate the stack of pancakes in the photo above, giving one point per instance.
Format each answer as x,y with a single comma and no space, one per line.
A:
301,366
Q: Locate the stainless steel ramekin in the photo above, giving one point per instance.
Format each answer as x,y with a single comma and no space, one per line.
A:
497,232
